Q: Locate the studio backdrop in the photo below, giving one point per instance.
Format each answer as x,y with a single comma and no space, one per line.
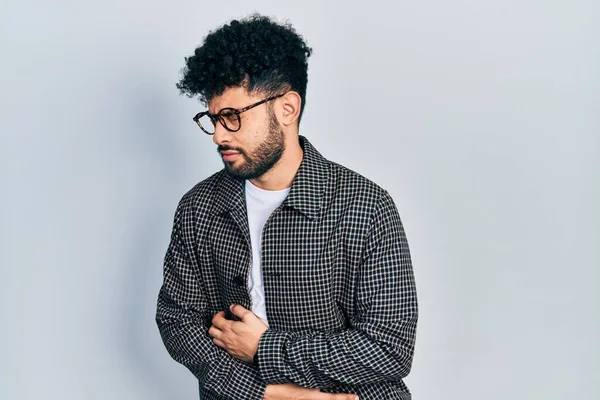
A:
480,118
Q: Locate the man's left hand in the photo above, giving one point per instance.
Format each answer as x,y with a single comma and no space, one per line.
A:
238,338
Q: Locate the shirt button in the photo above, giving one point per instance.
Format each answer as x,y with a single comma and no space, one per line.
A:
238,280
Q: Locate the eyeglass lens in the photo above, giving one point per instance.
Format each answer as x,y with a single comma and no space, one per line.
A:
227,117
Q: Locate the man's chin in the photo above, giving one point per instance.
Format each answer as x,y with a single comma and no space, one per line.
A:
237,173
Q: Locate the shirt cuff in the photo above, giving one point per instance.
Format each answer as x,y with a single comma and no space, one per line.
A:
271,356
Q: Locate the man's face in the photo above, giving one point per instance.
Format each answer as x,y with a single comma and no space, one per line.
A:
260,142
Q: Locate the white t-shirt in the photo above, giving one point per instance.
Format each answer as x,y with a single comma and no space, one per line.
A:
260,204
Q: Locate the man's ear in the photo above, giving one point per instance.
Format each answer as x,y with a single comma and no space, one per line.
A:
290,108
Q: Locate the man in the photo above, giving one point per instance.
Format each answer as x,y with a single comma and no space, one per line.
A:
287,276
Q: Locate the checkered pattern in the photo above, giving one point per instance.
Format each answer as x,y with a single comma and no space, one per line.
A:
338,281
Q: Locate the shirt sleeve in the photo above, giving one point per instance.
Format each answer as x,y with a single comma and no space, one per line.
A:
379,343
183,325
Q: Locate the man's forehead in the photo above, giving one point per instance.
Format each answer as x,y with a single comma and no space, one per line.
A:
235,97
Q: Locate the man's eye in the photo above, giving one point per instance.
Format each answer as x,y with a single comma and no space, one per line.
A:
229,116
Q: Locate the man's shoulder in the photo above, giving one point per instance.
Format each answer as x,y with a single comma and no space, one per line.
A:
201,195
360,198
352,185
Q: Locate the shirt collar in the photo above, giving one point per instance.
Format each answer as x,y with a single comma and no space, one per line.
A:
306,193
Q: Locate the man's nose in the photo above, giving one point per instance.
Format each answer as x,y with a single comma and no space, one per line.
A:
221,135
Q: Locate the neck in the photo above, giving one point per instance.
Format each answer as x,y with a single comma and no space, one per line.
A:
283,173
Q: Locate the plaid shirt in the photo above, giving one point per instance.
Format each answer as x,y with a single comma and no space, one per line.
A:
338,282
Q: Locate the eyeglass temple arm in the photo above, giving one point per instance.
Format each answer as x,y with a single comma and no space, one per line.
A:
257,104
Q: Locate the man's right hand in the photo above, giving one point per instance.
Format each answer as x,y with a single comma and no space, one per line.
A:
290,391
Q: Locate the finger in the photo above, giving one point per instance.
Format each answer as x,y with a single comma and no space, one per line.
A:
239,311
220,343
219,320
215,332
336,396
343,396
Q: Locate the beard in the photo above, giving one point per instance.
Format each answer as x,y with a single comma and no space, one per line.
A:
263,158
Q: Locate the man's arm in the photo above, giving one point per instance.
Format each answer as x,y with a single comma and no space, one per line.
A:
180,318
378,346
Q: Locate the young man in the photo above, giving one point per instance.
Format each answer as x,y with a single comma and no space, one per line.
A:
288,276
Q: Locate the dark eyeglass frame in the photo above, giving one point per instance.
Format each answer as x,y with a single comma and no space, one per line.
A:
229,111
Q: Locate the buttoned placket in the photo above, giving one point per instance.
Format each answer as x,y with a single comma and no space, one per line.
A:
262,238
240,217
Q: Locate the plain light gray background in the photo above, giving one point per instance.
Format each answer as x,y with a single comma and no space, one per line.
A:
480,117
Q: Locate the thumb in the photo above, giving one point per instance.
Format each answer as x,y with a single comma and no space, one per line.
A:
238,310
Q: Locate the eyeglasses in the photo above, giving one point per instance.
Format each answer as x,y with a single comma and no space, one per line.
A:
228,117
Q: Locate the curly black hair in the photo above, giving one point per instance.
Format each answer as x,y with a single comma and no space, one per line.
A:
255,52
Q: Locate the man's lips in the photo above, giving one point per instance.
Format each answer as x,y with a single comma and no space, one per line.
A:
230,155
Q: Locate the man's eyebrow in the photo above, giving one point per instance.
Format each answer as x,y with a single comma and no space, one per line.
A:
222,108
